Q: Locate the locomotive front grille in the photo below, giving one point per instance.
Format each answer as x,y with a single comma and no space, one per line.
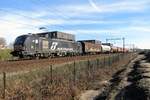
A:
18,47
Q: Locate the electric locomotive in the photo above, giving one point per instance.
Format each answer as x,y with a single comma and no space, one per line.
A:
48,44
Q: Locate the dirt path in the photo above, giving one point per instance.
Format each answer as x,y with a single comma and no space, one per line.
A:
111,86
129,83
121,85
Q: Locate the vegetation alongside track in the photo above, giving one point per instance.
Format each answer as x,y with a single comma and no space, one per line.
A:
5,54
63,82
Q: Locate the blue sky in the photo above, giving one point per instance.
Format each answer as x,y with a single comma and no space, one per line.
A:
87,19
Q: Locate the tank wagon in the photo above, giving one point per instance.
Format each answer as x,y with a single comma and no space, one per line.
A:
106,49
51,44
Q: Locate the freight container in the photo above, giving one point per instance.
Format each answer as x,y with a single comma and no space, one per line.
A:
88,48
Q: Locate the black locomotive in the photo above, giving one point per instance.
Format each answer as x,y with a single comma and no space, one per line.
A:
47,44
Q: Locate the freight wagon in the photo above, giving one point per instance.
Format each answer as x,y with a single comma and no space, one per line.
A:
90,48
106,49
114,49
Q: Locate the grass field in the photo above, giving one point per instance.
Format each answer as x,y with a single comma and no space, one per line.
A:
5,54
60,82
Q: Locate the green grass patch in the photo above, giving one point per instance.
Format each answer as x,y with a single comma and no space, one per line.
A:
5,54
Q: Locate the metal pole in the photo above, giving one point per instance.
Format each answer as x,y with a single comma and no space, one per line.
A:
123,44
97,62
106,40
133,47
74,73
4,84
51,74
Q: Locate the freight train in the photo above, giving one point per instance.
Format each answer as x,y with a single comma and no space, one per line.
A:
52,44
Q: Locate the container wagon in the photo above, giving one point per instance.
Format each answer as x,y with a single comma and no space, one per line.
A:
90,48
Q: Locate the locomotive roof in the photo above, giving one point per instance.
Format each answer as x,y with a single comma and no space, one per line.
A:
53,32
90,40
63,40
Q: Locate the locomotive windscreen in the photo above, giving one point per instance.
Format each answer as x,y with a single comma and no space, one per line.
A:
20,39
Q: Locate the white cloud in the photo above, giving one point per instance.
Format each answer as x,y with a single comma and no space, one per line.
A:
15,25
125,5
95,7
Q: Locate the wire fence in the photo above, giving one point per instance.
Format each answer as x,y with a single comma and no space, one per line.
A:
58,82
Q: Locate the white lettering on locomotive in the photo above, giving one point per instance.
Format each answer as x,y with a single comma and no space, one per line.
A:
54,45
65,49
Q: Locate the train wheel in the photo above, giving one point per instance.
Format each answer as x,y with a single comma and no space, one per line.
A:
37,56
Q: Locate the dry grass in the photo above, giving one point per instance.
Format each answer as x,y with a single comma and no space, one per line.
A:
65,82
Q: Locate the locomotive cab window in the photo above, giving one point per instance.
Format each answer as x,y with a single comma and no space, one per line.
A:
20,40
54,35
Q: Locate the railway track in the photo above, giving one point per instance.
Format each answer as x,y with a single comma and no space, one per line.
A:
13,66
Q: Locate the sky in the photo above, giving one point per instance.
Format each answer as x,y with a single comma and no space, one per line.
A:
87,19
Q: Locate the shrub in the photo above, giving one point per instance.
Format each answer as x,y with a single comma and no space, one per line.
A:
5,54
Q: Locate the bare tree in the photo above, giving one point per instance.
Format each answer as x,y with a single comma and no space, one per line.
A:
2,41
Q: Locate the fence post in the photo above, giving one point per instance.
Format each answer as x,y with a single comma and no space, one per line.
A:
97,63
104,61
88,69
112,59
118,58
92,71
4,85
74,73
51,74
109,61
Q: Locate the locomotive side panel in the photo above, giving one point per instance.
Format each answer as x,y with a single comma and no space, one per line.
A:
60,47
